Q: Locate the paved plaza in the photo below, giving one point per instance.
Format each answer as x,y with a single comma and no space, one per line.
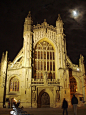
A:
46,111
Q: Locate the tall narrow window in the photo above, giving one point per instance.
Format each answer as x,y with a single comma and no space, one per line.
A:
38,55
51,55
41,55
44,65
47,66
44,55
50,66
47,55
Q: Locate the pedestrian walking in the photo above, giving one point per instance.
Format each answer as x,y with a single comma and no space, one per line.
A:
74,102
65,106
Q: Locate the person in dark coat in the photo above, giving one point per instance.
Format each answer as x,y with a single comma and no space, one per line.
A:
18,104
65,106
74,102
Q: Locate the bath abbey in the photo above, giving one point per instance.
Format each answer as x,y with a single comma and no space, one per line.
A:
42,75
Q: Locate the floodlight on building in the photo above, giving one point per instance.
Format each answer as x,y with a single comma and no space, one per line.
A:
78,69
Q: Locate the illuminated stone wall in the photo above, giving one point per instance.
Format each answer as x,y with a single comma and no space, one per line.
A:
41,73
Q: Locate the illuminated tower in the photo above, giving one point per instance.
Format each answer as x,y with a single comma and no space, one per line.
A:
61,42
63,71
27,35
3,79
27,62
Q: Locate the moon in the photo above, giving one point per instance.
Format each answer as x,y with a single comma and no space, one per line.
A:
76,14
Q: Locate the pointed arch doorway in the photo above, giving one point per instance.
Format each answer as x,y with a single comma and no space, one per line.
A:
43,100
73,86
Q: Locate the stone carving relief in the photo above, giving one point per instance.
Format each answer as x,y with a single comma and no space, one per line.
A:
57,96
33,96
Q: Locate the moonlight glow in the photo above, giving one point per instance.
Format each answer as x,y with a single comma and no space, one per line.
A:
75,13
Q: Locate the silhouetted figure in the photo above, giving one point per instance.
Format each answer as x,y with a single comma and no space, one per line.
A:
18,104
74,102
65,106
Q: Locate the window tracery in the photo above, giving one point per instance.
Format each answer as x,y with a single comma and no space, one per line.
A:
44,60
14,84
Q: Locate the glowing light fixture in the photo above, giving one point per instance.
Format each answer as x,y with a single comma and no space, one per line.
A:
78,69
15,100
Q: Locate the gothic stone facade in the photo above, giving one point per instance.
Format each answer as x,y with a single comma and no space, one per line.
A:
42,74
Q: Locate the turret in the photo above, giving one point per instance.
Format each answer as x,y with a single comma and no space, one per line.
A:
2,61
27,24
27,41
59,25
81,63
3,67
61,42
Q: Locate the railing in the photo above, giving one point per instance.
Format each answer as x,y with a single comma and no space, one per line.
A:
53,81
42,81
37,81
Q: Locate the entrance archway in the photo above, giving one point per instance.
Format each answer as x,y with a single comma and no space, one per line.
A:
73,85
43,100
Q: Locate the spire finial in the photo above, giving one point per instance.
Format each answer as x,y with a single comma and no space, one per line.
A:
29,14
44,20
59,17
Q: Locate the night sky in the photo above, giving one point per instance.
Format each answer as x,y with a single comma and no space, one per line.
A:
13,13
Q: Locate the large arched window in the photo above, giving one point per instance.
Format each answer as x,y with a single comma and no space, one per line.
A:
44,60
14,84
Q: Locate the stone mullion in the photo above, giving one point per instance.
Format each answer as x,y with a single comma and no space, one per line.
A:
46,59
40,63
12,85
43,62
49,60
37,63
16,85
52,63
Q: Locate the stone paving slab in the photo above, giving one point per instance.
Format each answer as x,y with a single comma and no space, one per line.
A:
45,111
